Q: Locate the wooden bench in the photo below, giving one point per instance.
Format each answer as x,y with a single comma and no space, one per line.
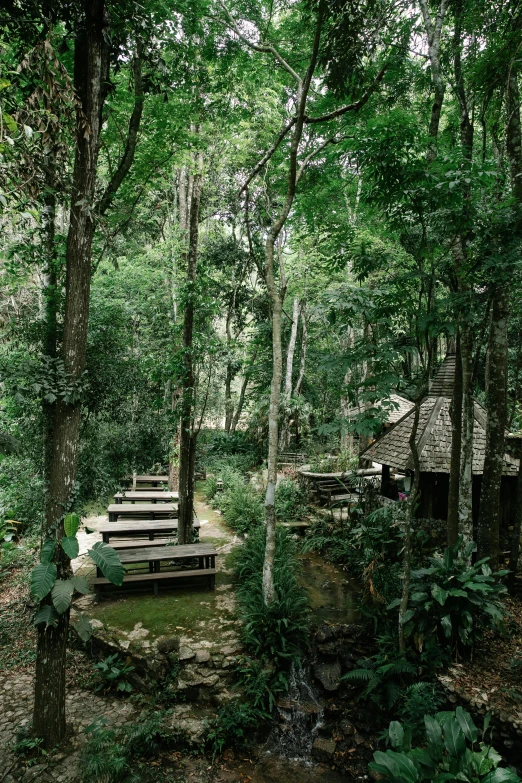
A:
146,479
289,458
143,527
101,584
204,554
141,511
144,496
346,498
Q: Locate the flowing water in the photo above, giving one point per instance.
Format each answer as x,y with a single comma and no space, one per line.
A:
300,718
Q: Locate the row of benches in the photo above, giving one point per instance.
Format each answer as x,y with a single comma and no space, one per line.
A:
145,520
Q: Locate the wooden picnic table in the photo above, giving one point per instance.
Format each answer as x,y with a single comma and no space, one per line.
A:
154,480
151,495
148,510
205,554
141,526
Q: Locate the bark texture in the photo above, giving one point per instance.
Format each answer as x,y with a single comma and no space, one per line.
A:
456,446
496,403
466,454
90,76
187,450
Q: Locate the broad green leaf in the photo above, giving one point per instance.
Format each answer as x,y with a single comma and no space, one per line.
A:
43,578
454,740
62,594
70,546
502,775
439,594
396,734
47,615
83,628
446,625
80,584
106,558
466,724
406,617
433,735
71,523
47,550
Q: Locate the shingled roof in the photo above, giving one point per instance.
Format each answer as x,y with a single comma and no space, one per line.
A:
434,432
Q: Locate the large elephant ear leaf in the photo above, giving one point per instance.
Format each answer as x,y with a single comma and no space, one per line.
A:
71,523
47,550
43,578
80,584
62,594
70,546
47,615
107,560
83,628
466,724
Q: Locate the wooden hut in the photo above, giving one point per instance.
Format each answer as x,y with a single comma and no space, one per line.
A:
392,451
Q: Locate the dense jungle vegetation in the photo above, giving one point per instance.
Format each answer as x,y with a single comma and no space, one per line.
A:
231,230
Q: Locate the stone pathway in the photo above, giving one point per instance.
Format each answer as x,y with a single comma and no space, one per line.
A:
82,709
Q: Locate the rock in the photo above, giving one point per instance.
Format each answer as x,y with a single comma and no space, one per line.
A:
186,654
323,750
168,644
328,674
202,656
347,728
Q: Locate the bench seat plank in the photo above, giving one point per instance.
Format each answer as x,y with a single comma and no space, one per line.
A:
163,576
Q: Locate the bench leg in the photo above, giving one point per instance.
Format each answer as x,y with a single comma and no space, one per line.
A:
212,581
155,588
105,538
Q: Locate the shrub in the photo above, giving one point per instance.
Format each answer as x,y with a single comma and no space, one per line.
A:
210,488
290,500
280,630
419,699
260,683
384,676
242,507
21,492
113,673
234,725
452,752
104,756
453,602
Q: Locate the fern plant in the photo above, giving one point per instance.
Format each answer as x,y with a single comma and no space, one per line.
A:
383,678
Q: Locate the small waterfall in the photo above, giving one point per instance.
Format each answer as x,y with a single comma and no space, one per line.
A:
300,718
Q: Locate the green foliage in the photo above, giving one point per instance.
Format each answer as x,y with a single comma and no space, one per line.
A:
242,507
260,683
108,560
280,630
419,699
384,677
290,500
112,755
234,726
21,492
453,602
113,672
452,751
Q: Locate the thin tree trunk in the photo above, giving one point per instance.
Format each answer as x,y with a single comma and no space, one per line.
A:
241,401
283,440
229,405
496,396
187,435
347,443
433,31
517,530
456,445
466,456
90,75
304,342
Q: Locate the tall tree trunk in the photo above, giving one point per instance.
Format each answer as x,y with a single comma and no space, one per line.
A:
456,445
433,31
229,405
90,75
283,440
304,345
242,393
347,441
466,455
517,529
496,404
187,435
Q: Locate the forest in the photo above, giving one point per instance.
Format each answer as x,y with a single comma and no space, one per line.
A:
260,391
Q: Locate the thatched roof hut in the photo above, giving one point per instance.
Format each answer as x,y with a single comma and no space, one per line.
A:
392,449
